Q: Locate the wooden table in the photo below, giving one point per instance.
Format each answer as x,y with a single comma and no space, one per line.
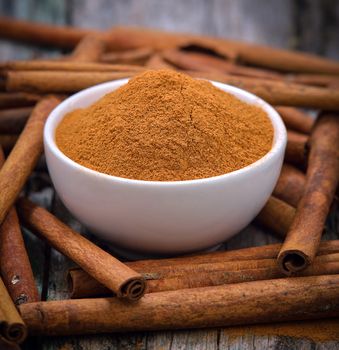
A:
279,23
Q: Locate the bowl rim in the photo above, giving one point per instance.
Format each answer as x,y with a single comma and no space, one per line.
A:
278,146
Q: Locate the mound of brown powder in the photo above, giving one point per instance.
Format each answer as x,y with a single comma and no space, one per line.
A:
166,126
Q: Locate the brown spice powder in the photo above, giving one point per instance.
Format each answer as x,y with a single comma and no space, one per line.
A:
166,126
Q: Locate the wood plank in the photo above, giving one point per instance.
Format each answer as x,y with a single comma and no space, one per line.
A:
258,21
45,11
316,27
206,339
159,340
331,32
169,15
9,50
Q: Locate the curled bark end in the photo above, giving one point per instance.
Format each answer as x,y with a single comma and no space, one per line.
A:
133,289
15,332
292,261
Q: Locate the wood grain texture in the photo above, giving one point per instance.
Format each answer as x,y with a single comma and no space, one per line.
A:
277,23
258,21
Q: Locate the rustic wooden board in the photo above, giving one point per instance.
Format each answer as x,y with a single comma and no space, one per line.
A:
307,25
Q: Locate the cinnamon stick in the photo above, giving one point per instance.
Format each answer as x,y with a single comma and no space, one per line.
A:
315,79
234,304
15,267
285,60
109,271
12,327
253,253
58,81
206,63
296,148
276,216
18,99
24,155
89,49
13,120
279,93
41,33
14,263
73,66
165,278
302,241
295,119
290,185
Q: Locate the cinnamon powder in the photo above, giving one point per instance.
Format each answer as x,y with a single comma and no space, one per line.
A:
166,126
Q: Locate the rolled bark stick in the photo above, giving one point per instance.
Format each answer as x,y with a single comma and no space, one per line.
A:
334,85
15,267
169,271
279,93
41,33
296,148
276,216
295,119
253,253
220,278
24,155
206,63
290,185
289,299
73,66
109,271
89,49
13,120
135,56
302,241
58,81
18,99
82,285
284,60
7,142
12,327
14,263
315,79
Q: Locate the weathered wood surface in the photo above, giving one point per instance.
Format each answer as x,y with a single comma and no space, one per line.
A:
304,24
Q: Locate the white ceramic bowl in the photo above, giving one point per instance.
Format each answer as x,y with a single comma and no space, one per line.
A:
162,217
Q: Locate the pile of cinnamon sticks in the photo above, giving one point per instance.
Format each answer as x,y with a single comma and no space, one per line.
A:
295,280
